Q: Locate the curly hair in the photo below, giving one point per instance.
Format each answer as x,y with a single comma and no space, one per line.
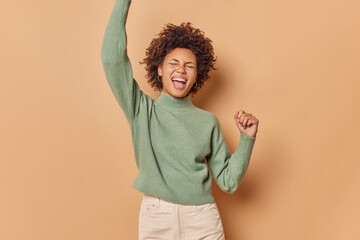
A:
183,36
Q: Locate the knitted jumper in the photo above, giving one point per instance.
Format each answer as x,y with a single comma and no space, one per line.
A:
171,137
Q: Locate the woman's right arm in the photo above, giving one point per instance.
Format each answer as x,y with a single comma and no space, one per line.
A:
116,63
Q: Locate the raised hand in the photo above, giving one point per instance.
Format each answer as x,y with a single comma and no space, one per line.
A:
247,123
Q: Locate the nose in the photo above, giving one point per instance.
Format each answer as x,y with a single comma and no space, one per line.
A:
181,69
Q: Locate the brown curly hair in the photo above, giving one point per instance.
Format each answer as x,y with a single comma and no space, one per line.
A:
183,36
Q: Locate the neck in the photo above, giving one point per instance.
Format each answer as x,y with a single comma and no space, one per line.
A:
174,103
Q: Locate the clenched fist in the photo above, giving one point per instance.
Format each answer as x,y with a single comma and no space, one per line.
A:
247,123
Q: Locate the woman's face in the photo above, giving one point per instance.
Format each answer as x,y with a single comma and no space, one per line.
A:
178,72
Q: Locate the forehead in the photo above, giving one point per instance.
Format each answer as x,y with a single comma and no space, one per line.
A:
184,54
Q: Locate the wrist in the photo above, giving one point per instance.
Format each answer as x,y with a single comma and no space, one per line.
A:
249,136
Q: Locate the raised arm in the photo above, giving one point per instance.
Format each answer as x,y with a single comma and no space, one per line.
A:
228,170
116,63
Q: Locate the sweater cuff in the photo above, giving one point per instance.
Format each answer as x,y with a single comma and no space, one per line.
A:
246,136
246,144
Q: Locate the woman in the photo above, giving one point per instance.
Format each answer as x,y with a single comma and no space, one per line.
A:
171,137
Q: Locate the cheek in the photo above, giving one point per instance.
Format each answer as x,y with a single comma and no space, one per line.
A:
168,70
193,72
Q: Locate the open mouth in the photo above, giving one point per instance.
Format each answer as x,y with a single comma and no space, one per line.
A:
179,83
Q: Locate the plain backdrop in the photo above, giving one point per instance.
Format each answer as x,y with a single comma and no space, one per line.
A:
66,155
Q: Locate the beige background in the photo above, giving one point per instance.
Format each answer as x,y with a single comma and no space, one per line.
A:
66,157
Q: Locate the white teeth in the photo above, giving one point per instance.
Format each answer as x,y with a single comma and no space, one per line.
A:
179,79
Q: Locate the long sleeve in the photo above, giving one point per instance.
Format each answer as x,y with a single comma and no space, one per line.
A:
228,170
116,63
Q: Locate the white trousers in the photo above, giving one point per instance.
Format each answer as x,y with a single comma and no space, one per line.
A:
163,220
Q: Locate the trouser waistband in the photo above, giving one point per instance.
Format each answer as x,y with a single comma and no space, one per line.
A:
156,201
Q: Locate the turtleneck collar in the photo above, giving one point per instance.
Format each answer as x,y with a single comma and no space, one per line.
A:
174,103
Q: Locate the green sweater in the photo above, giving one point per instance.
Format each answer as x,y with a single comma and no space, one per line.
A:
171,137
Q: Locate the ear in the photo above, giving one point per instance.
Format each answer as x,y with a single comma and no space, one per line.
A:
160,70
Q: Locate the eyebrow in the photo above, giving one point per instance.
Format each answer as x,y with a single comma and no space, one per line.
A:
179,61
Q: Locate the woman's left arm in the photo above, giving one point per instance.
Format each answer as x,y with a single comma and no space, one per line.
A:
229,169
